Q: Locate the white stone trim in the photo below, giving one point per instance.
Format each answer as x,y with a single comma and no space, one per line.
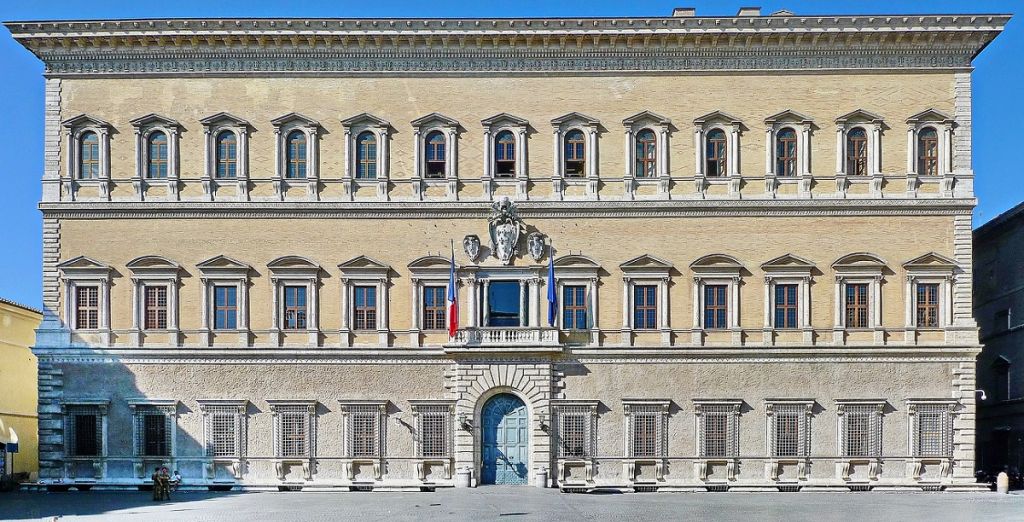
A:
213,126
306,461
83,271
645,270
145,127
494,126
943,126
364,271
872,126
859,268
76,127
283,127
732,127
661,126
381,131
422,128
228,273
561,127
295,271
803,126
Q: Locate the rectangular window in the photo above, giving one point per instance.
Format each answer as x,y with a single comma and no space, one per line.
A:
293,423
435,303
572,434
786,306
83,431
225,307
933,431
363,430
789,430
223,431
645,307
504,303
434,431
857,305
156,435
295,311
717,431
574,307
365,307
716,309
87,307
646,433
927,305
861,431
574,155
156,307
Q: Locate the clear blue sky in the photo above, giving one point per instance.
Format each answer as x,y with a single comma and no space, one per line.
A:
998,97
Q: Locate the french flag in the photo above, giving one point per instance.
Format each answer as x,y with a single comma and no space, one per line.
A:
453,299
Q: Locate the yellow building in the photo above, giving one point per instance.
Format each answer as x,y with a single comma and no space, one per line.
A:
18,389
759,229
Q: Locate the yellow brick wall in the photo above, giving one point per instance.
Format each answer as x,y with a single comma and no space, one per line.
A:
18,377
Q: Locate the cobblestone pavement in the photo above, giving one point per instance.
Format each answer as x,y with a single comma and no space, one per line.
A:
512,504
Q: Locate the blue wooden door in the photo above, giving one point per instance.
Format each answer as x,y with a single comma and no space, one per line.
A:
505,441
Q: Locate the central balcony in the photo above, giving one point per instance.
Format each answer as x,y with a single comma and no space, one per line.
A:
504,340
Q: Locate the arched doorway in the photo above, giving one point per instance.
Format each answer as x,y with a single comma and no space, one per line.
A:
504,441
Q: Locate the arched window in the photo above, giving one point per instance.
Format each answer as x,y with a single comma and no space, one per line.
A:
575,154
366,156
646,154
227,155
785,153
928,152
716,154
89,156
295,155
857,152
156,156
505,155
436,155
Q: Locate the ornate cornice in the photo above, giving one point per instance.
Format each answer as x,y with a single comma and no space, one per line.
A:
439,46
533,209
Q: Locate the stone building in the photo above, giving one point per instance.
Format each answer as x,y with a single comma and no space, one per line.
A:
999,300
759,229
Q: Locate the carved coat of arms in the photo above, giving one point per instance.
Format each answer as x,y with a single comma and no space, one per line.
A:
505,228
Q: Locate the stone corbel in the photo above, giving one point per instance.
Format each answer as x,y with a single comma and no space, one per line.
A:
140,188
948,183
771,185
629,187
913,182
842,183
664,184
279,188
243,188
209,188
700,185
877,180
735,181
806,180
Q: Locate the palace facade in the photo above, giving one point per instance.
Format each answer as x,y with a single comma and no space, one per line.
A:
759,229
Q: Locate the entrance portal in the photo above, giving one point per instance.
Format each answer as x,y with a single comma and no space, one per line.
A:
505,441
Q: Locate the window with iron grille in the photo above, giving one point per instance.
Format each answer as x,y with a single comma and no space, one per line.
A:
575,428
928,305
153,431
645,307
295,156
435,155
574,307
156,307
647,431
716,309
83,431
293,424
225,307
856,305
295,308
87,307
857,152
861,427
716,154
646,154
933,431
505,155
223,431
365,307
719,427
434,430
786,306
928,152
435,301
789,433
575,155
785,153
364,432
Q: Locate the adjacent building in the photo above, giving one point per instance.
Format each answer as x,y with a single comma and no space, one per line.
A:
686,253
999,305
18,385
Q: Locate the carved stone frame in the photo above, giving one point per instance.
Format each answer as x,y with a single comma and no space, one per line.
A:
144,128
310,128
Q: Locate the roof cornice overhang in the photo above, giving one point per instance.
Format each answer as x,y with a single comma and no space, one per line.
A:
257,46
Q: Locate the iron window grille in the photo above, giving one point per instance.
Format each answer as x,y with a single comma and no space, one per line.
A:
364,431
294,430
434,429
83,431
719,430
790,436
576,426
933,431
154,431
647,431
861,430
224,431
